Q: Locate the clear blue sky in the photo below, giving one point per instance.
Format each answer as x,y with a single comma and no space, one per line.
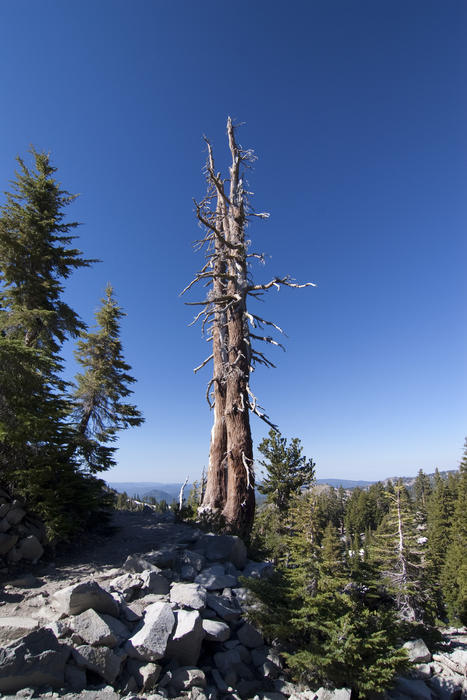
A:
357,112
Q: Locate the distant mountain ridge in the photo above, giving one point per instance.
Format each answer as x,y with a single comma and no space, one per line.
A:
169,492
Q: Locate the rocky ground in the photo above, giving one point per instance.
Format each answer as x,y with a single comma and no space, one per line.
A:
154,609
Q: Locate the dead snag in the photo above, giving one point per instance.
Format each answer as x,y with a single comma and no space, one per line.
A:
224,217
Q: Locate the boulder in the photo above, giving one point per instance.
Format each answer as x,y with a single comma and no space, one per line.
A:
188,677
30,548
79,597
418,651
216,631
101,660
249,636
150,641
193,559
127,585
165,558
7,542
12,628
37,659
15,514
227,608
223,548
446,687
4,508
75,677
337,694
412,688
154,582
99,630
185,643
146,675
258,569
136,565
214,578
188,595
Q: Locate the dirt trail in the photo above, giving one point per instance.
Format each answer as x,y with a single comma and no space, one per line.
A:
25,592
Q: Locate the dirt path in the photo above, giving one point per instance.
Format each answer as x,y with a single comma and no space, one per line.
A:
26,592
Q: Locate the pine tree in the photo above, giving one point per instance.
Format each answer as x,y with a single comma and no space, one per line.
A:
36,438
100,411
35,257
454,572
422,491
396,550
333,632
288,471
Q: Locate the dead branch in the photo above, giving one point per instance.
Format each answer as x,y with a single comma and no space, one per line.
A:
203,364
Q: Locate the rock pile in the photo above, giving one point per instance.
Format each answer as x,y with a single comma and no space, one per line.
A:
442,675
21,535
167,624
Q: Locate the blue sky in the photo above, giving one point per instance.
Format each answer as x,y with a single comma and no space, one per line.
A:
357,113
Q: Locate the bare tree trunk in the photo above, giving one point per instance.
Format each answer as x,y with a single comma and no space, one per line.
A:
239,510
230,480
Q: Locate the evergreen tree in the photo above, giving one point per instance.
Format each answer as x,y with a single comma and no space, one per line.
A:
100,411
35,257
396,551
331,634
454,573
36,439
422,491
288,471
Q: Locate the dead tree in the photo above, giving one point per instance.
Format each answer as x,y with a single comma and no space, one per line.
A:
224,215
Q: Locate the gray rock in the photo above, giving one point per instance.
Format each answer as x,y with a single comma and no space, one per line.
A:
259,656
4,508
227,608
79,597
418,651
12,628
130,613
15,515
99,630
150,641
223,548
4,525
188,595
219,681
187,572
127,584
269,669
258,569
136,565
101,660
185,643
338,694
154,582
216,631
106,693
194,559
37,659
249,636
165,558
146,675
227,660
30,548
188,677
446,687
75,677
412,688
7,542
271,695
214,578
